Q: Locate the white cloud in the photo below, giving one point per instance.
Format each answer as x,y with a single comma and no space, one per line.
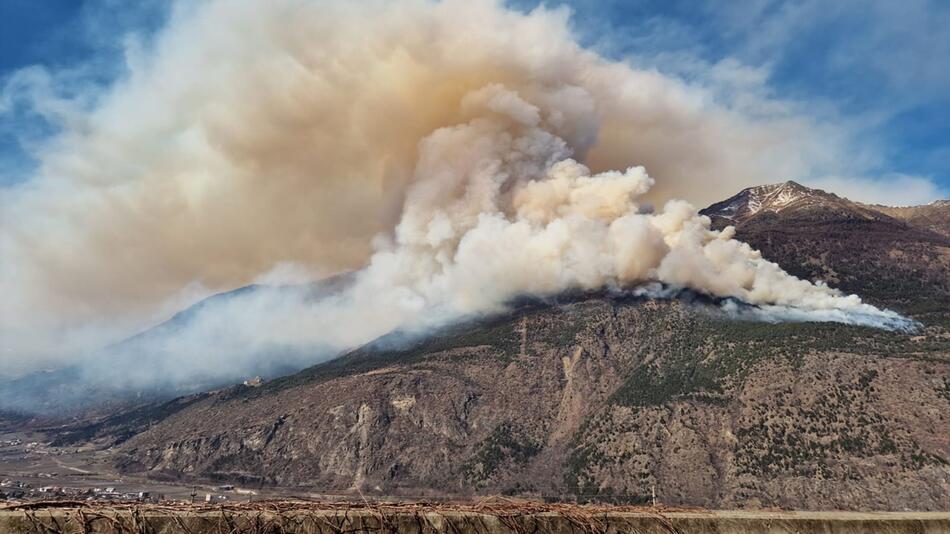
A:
889,190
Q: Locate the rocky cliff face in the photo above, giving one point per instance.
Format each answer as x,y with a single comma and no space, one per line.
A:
600,399
606,397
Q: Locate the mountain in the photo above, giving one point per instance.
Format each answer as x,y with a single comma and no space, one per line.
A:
600,398
791,200
609,396
934,216
91,387
893,257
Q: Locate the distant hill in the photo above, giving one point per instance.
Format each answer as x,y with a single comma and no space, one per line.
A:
87,388
934,216
895,257
605,397
792,201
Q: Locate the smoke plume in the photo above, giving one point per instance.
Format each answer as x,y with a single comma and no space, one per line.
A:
453,155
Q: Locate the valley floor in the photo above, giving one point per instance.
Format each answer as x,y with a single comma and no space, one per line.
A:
31,470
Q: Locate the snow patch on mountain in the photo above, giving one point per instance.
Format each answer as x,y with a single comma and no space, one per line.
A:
774,197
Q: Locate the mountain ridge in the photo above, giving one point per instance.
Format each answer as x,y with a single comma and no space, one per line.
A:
790,197
900,263
560,389
605,396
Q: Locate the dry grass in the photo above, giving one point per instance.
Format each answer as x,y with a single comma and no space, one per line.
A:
287,516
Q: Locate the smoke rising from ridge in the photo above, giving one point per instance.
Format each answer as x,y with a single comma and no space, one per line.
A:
458,154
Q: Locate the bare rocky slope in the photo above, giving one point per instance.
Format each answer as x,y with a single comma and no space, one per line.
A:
605,397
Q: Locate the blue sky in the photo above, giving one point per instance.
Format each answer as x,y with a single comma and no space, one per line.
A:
878,68
70,49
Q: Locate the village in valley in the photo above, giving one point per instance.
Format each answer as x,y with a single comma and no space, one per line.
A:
34,470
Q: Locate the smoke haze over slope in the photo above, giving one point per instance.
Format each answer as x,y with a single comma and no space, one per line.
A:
458,153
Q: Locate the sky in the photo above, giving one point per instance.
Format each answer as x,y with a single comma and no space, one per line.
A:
875,69
452,154
69,50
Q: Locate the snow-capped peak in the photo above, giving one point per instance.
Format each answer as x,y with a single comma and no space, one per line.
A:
774,198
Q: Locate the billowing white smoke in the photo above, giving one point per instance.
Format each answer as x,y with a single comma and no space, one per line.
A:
437,147
498,208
